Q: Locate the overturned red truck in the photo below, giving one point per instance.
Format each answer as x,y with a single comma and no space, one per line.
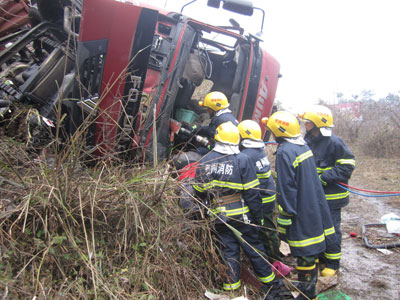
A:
130,68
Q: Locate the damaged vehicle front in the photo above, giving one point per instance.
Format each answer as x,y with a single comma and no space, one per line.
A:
121,71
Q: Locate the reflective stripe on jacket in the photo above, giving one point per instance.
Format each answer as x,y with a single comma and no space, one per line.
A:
335,163
219,176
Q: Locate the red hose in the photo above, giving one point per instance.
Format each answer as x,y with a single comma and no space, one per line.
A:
376,192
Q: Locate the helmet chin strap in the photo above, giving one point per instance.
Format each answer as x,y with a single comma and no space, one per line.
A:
315,131
211,112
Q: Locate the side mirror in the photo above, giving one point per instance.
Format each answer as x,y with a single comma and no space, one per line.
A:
214,3
242,7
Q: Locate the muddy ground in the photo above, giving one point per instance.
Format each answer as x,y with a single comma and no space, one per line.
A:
368,274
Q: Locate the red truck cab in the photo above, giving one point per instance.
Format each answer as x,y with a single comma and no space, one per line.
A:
121,70
137,63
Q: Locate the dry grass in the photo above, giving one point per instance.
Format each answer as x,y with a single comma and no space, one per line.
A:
106,232
380,174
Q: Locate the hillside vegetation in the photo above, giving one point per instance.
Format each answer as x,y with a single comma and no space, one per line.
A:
113,231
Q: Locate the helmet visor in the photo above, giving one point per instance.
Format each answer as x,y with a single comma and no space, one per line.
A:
326,131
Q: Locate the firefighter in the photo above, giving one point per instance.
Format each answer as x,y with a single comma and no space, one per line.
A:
217,106
335,163
304,220
226,181
253,146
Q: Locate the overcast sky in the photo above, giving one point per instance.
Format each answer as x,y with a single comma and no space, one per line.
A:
323,46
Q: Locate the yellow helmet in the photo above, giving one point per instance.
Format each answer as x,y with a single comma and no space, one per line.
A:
227,133
215,100
283,124
320,115
250,129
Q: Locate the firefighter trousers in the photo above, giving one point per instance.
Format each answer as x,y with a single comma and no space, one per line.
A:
269,238
229,244
333,252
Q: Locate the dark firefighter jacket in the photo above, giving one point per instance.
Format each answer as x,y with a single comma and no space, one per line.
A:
222,116
228,185
267,185
335,163
304,218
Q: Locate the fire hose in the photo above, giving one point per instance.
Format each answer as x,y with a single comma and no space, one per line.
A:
351,190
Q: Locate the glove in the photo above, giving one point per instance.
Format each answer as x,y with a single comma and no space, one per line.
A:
195,128
187,126
259,222
322,181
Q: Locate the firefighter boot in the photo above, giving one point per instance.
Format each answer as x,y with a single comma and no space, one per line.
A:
275,290
308,281
328,272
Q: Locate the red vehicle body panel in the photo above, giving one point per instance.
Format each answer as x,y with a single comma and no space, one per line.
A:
165,85
108,21
266,89
13,15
